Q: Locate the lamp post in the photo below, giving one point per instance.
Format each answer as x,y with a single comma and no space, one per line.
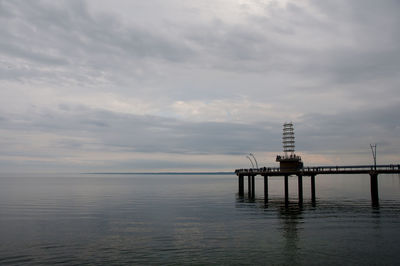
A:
252,155
252,164
373,149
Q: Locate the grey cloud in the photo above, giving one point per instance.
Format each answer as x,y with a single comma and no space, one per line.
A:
65,32
77,130
14,49
351,131
353,44
147,133
316,132
321,59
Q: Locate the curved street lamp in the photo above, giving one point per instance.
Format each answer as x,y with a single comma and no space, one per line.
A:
252,155
252,164
373,149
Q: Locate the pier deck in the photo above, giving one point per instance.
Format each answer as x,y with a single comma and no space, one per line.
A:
323,170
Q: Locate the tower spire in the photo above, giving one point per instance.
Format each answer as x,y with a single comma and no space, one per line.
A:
288,139
289,161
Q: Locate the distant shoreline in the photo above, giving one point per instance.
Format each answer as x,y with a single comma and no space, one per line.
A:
160,173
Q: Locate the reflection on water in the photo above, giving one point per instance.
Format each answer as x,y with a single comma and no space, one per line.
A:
290,217
170,220
345,224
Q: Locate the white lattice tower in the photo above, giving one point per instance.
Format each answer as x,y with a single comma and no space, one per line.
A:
288,139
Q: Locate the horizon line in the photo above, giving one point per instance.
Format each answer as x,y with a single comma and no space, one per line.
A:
162,173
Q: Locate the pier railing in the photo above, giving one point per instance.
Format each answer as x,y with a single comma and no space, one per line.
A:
308,170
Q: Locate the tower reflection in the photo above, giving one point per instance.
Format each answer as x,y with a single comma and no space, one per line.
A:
290,217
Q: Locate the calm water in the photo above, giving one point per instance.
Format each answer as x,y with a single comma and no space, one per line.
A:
181,219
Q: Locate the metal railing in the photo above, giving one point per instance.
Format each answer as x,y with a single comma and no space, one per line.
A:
336,168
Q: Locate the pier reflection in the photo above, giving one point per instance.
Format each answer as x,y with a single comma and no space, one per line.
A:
290,220
291,217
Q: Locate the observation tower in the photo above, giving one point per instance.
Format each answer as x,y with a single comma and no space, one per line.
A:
289,161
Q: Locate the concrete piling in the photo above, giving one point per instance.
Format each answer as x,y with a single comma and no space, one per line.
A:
313,188
300,185
374,188
265,188
241,185
286,189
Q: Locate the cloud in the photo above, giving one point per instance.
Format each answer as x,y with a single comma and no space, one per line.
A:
86,137
210,78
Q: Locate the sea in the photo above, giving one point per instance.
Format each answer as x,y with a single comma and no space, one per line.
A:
187,219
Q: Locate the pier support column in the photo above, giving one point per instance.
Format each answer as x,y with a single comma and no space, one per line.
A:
265,188
253,186
286,189
313,188
241,185
374,188
249,186
300,184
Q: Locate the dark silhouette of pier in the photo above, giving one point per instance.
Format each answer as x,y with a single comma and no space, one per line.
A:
312,172
292,164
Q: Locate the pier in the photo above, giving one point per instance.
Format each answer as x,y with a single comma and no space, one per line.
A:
372,170
291,164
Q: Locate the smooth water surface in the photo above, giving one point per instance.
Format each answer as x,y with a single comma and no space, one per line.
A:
195,219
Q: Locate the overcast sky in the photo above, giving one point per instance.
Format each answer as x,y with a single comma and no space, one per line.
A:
165,85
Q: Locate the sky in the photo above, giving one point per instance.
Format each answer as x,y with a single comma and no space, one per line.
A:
174,85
